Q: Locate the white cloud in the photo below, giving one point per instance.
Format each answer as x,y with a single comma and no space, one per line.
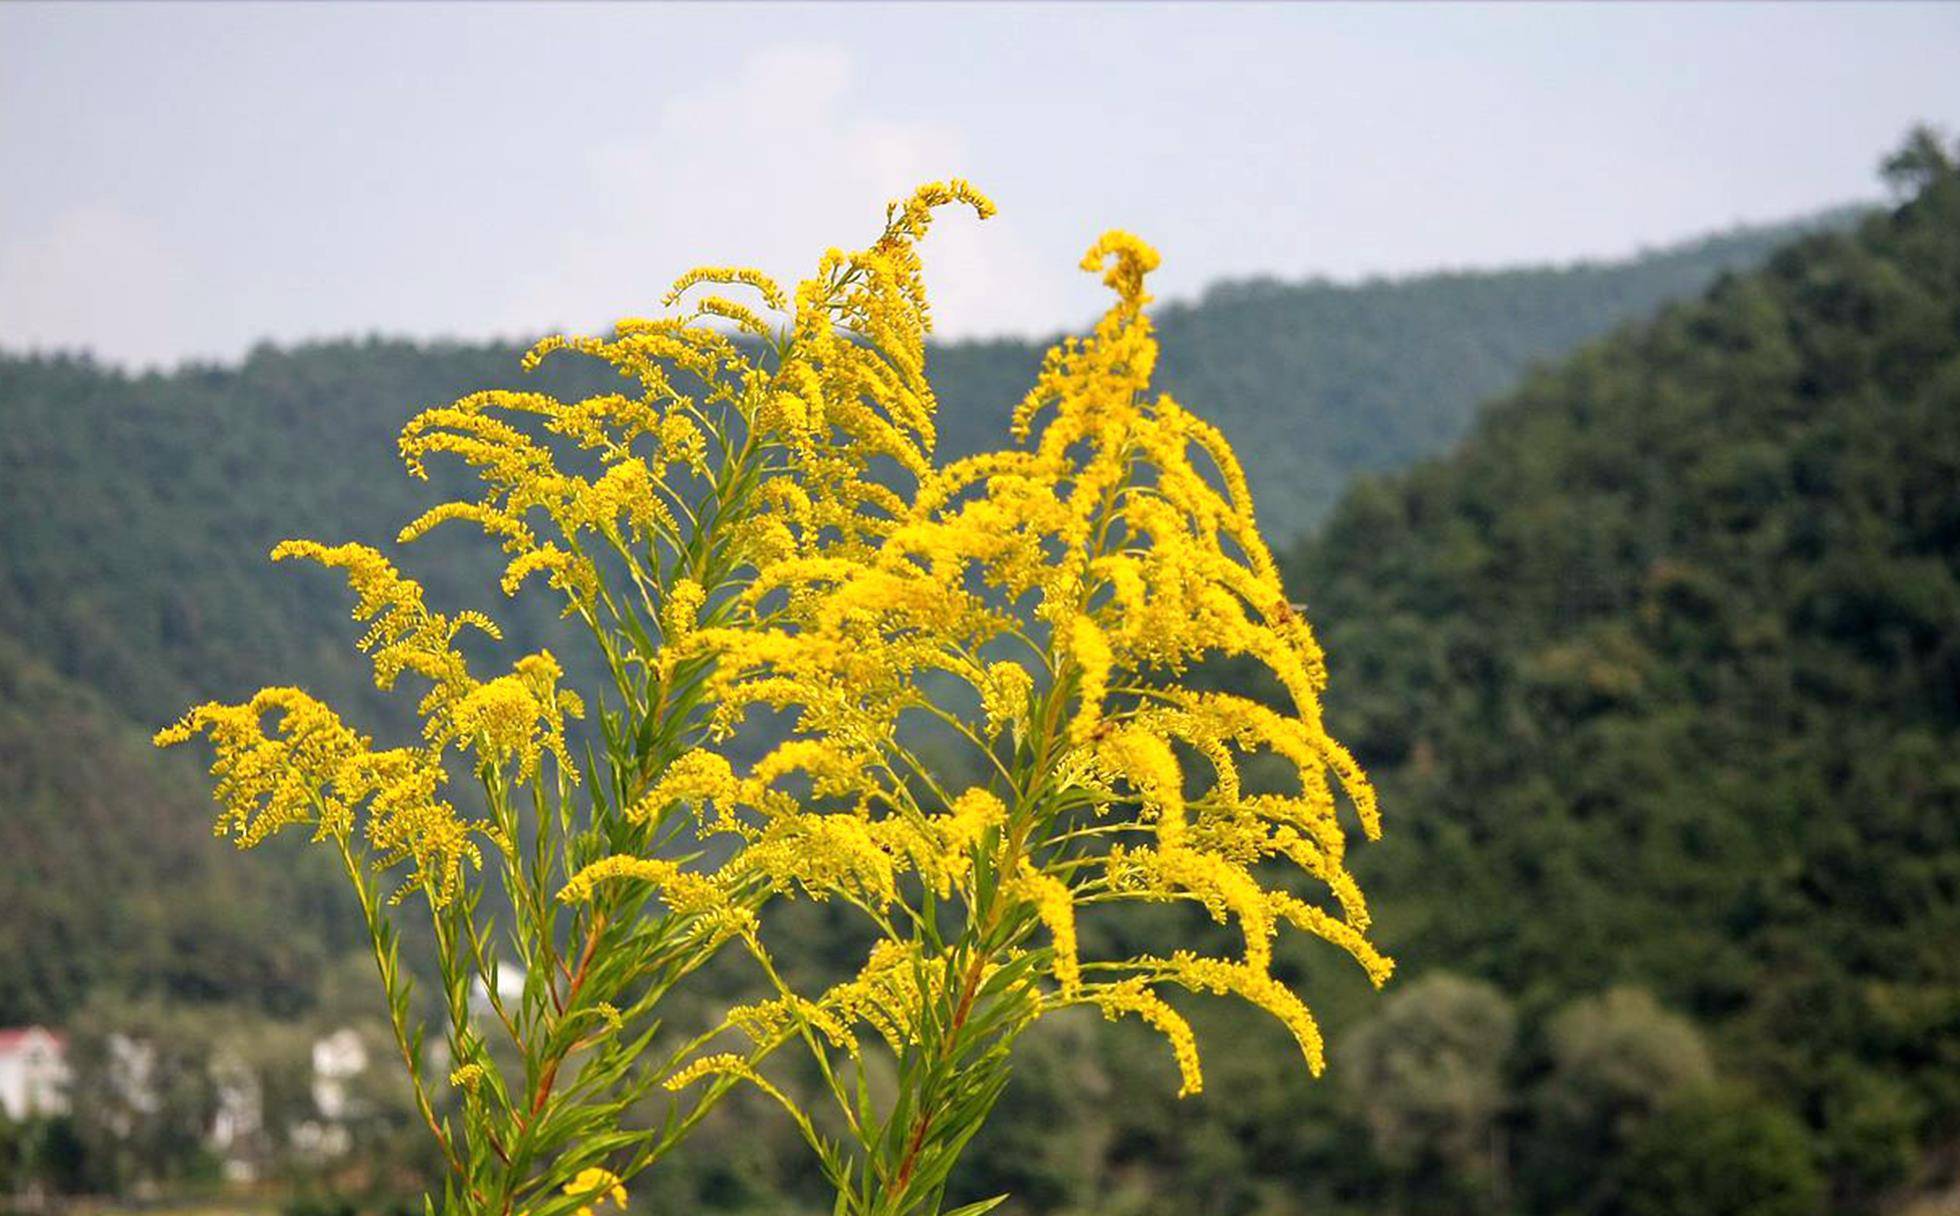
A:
771,166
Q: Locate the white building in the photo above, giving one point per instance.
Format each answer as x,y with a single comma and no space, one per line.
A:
238,1125
510,993
33,1073
337,1060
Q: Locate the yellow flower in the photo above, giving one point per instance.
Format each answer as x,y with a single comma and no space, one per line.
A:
702,896
1135,996
1090,651
309,768
597,1185
520,717
1254,986
1055,905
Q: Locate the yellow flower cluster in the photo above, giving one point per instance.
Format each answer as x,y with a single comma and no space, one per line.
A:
311,768
886,995
710,902
597,1185
1069,583
760,522
796,452
848,389
404,635
518,717
308,767
1134,996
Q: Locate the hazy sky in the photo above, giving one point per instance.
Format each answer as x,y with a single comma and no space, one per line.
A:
185,180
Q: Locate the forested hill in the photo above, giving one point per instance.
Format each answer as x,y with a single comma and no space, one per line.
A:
136,510
136,513
111,882
1314,382
1660,672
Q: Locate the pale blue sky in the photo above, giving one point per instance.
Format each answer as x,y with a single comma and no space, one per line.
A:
185,180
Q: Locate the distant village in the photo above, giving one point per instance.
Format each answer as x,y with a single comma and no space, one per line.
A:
141,1110
36,1081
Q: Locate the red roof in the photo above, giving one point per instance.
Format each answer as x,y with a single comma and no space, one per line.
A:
15,1038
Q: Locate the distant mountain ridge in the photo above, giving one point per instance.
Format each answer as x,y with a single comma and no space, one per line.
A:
136,512
1314,381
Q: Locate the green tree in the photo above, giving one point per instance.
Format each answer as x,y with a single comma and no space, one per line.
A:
1427,1077
1874,1124
1920,161
1719,1151
1615,1059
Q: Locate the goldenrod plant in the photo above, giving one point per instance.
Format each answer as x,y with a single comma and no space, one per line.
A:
761,526
1045,604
